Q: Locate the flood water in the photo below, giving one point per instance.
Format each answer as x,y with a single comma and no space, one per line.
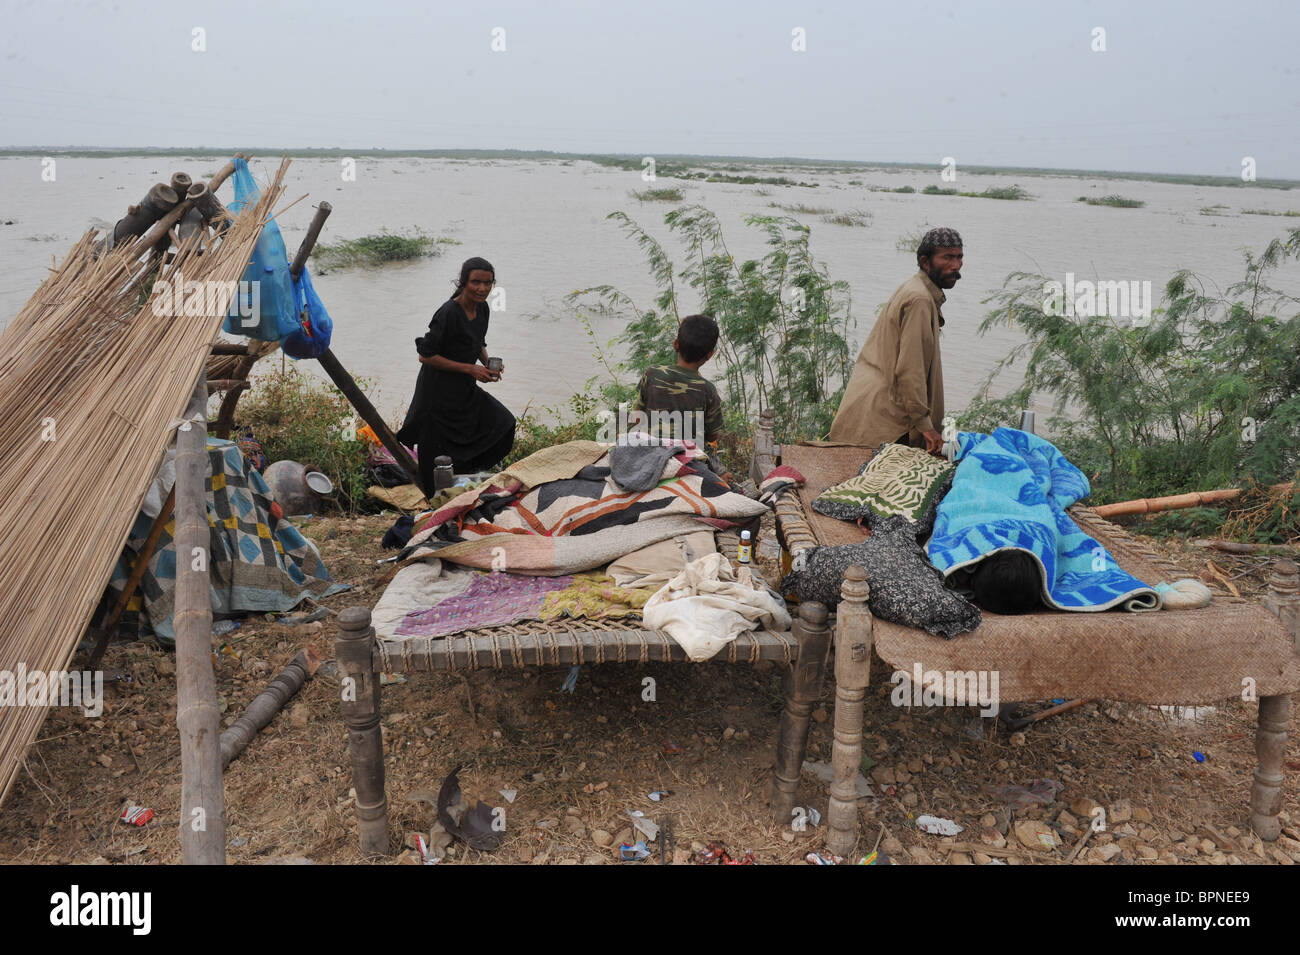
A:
542,224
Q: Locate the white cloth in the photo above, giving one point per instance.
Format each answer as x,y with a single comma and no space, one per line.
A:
709,604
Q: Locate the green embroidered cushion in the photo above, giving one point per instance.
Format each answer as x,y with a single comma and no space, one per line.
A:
897,480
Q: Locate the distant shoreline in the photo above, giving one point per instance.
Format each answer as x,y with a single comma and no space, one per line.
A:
633,161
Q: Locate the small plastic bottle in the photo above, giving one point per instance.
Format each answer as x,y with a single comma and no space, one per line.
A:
745,549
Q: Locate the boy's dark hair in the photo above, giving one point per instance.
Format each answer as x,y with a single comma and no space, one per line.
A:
697,335
1007,582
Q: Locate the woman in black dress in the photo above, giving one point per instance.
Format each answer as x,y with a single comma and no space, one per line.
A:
450,414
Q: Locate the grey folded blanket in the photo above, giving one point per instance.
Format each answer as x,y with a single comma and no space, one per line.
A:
639,467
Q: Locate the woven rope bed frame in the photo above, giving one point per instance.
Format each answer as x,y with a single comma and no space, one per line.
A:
1164,657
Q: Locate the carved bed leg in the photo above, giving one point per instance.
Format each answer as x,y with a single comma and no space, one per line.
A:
1282,600
803,688
1270,744
853,637
763,459
359,690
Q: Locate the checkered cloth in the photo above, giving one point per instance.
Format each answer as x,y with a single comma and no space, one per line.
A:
256,563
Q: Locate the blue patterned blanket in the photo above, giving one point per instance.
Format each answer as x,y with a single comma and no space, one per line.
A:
1010,492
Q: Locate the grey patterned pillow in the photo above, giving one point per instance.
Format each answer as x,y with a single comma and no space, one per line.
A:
905,587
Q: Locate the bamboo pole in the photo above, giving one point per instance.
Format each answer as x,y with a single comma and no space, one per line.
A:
309,240
1152,505
267,703
202,817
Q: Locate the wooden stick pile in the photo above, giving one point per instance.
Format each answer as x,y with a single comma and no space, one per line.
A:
92,382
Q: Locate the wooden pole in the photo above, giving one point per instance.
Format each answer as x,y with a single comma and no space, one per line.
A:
225,172
339,375
803,688
209,207
853,638
160,199
137,574
203,813
1283,601
1152,505
309,241
267,703
359,692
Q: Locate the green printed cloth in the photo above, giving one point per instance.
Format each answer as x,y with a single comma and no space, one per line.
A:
898,480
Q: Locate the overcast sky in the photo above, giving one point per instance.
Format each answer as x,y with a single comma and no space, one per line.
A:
1192,86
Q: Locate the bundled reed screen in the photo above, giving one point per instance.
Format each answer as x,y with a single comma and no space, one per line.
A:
94,373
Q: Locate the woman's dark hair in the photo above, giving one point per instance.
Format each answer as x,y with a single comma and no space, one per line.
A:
469,266
697,335
1007,582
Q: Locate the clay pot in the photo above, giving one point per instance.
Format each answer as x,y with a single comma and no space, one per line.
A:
297,488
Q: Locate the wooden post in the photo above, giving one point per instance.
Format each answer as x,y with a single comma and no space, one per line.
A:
372,417
309,240
803,688
138,569
159,200
203,813
853,636
267,703
209,207
1283,600
764,457
359,692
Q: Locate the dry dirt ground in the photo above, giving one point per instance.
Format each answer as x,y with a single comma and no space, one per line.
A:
578,762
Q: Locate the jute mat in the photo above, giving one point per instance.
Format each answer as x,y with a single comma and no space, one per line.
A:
1168,657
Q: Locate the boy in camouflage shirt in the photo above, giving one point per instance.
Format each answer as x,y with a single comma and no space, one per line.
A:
680,402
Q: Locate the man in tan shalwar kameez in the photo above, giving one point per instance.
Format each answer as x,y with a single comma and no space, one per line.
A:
896,390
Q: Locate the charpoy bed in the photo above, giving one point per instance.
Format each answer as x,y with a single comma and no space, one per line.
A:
1232,648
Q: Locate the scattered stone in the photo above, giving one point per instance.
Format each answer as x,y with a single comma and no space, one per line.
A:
1036,836
1121,810
979,858
910,800
820,714
1207,847
681,856
988,820
1067,820
787,835
594,859
959,858
729,732
1147,853
299,716
526,854
1083,807
921,856
891,847
602,838
1105,853
1126,830
1142,814
883,775
991,837
625,836
1017,739
915,766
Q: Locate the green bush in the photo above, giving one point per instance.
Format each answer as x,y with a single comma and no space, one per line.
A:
1205,395
297,418
374,250
783,323
1118,202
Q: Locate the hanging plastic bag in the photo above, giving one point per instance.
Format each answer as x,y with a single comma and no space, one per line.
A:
264,306
311,336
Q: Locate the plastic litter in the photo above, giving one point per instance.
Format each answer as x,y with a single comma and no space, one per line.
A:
641,824
826,774
267,273
659,794
508,794
636,852
570,681
222,627
136,815
1198,756
473,825
937,826
716,854
822,858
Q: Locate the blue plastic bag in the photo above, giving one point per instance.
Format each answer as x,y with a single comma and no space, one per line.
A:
265,310
311,337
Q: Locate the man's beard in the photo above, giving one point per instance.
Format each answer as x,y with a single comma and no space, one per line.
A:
937,276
